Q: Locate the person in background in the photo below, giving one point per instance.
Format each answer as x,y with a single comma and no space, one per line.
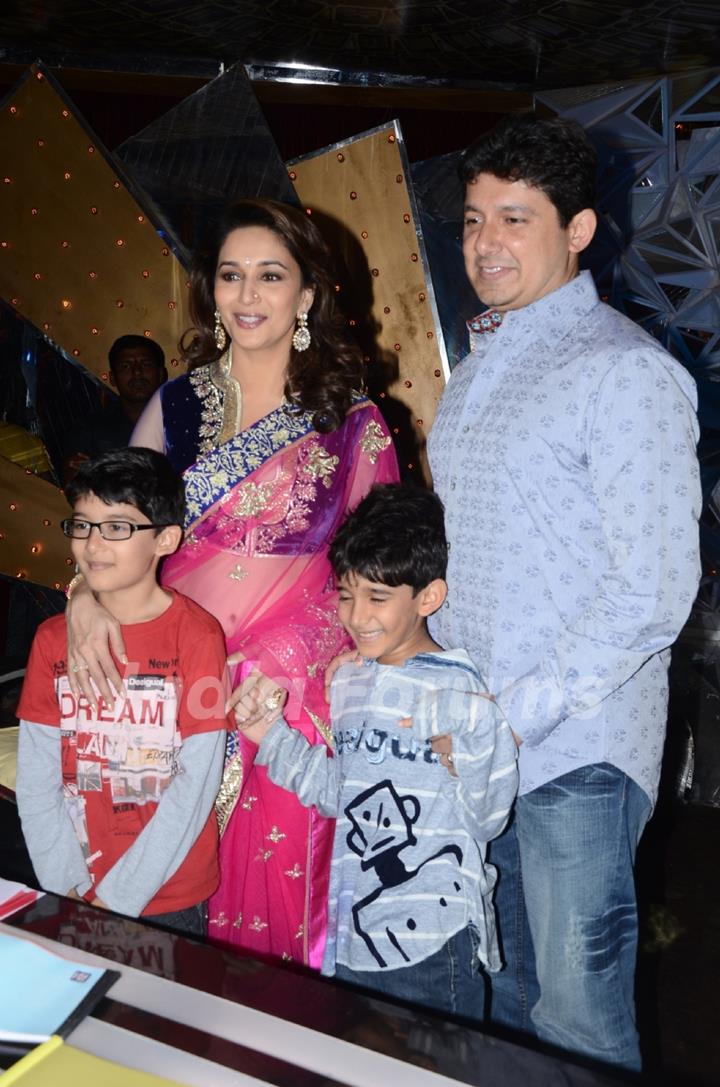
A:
564,453
137,370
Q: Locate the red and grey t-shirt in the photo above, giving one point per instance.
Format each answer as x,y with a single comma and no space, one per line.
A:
117,761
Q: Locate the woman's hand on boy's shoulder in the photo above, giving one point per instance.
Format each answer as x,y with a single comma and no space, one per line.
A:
442,746
93,636
349,656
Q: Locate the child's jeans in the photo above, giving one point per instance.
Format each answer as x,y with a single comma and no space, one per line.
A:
450,981
190,922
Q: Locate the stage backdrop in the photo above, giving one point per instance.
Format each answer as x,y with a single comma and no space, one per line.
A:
79,256
360,193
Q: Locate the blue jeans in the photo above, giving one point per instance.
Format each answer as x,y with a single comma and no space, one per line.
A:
450,981
567,914
192,920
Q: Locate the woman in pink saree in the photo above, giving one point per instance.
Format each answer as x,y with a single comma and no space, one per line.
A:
276,445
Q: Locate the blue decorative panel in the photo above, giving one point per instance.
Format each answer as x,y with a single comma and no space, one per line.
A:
211,149
657,252
439,196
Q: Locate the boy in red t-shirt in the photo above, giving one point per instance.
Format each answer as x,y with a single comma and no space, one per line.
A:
116,799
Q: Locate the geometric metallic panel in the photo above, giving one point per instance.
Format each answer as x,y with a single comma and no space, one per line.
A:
32,546
79,257
360,194
440,198
209,150
659,201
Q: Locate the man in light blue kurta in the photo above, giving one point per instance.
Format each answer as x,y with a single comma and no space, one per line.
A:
564,451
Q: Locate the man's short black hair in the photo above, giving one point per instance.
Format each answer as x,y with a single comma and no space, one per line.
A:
553,155
132,343
396,536
135,477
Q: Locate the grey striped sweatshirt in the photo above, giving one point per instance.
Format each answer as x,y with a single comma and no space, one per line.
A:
408,867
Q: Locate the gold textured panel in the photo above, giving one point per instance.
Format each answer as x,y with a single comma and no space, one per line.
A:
78,256
360,194
32,545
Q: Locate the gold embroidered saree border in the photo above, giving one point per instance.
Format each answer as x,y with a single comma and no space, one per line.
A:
229,791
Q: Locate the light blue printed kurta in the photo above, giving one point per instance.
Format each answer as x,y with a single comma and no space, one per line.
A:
564,451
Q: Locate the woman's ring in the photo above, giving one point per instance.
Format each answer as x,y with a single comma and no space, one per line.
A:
79,667
450,759
274,699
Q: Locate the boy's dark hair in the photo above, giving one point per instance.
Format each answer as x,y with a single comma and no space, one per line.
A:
136,477
553,155
396,536
132,342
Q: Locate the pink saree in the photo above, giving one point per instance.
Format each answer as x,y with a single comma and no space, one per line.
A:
263,507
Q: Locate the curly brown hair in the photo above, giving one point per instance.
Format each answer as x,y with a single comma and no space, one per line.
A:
321,380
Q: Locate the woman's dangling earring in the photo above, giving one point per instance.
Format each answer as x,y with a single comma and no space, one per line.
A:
220,333
301,336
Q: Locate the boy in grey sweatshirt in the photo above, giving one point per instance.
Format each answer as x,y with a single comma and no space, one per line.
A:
410,906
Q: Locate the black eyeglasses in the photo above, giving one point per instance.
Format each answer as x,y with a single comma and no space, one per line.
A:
78,529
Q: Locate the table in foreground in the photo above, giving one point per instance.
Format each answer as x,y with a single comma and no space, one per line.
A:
209,1018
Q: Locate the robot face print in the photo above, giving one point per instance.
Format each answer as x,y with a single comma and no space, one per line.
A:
382,822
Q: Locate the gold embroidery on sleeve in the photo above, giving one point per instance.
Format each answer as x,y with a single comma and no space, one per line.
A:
320,464
239,573
373,441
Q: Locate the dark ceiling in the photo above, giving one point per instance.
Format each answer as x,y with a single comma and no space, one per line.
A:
516,44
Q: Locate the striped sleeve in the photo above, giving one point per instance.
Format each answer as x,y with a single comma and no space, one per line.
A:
483,749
